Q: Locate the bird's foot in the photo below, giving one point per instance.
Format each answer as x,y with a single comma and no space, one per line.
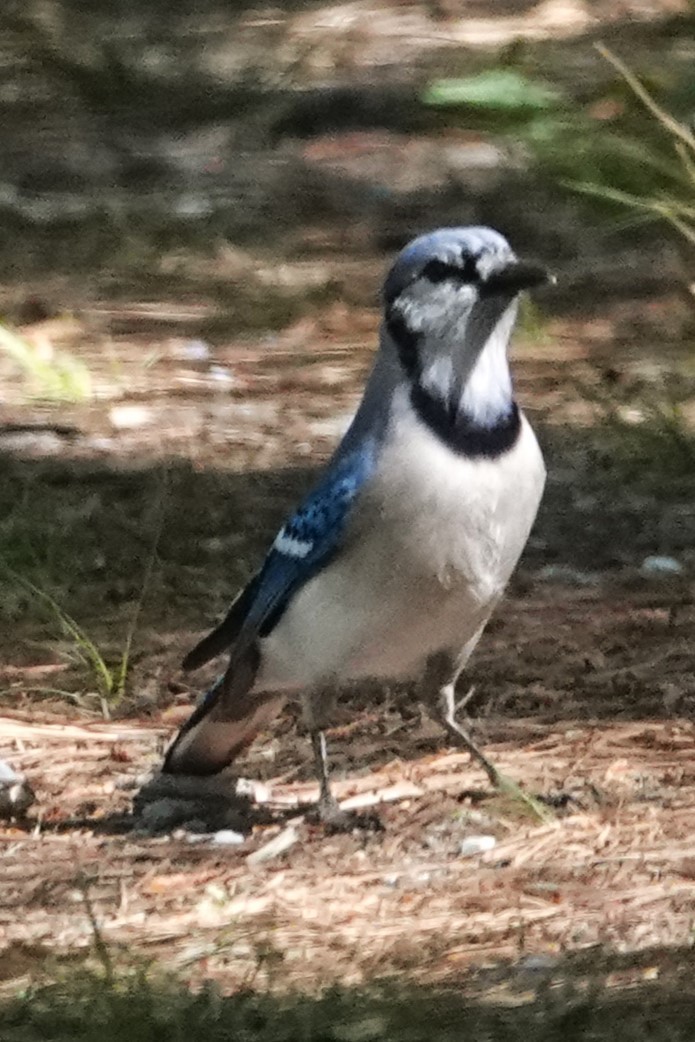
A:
334,819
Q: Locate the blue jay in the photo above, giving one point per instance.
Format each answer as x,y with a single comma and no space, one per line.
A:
393,564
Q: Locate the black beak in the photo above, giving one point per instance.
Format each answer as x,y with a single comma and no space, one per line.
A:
515,277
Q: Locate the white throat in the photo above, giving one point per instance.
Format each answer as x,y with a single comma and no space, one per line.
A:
484,393
487,393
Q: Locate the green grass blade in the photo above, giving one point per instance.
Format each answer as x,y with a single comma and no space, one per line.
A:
84,645
63,377
673,126
500,89
122,672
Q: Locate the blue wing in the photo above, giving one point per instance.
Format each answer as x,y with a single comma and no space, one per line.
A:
304,545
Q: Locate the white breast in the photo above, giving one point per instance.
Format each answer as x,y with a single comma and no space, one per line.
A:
434,541
465,519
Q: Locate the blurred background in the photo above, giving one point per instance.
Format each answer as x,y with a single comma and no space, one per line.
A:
198,203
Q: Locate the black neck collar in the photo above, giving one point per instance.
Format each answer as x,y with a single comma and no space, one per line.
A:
456,429
460,432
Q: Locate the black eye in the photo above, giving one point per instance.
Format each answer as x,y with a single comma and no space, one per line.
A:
439,271
469,269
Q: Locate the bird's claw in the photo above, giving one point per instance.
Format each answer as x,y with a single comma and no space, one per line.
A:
334,820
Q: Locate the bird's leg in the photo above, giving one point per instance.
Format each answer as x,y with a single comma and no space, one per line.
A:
439,695
318,706
328,808
446,714
463,702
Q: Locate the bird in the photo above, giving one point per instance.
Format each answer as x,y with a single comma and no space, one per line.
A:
394,562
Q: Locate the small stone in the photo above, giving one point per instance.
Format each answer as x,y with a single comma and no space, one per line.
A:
660,567
219,374
473,845
193,206
126,417
196,351
228,838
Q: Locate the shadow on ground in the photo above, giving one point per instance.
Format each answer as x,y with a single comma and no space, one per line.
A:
85,529
160,548
589,996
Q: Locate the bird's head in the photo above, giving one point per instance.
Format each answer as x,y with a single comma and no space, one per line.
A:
449,292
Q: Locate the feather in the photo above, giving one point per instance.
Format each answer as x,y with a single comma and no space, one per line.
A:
304,544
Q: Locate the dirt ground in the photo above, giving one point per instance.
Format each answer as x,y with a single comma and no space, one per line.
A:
613,865
159,499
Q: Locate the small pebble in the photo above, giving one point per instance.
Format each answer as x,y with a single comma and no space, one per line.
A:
126,417
228,838
657,567
220,374
193,206
477,845
196,351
